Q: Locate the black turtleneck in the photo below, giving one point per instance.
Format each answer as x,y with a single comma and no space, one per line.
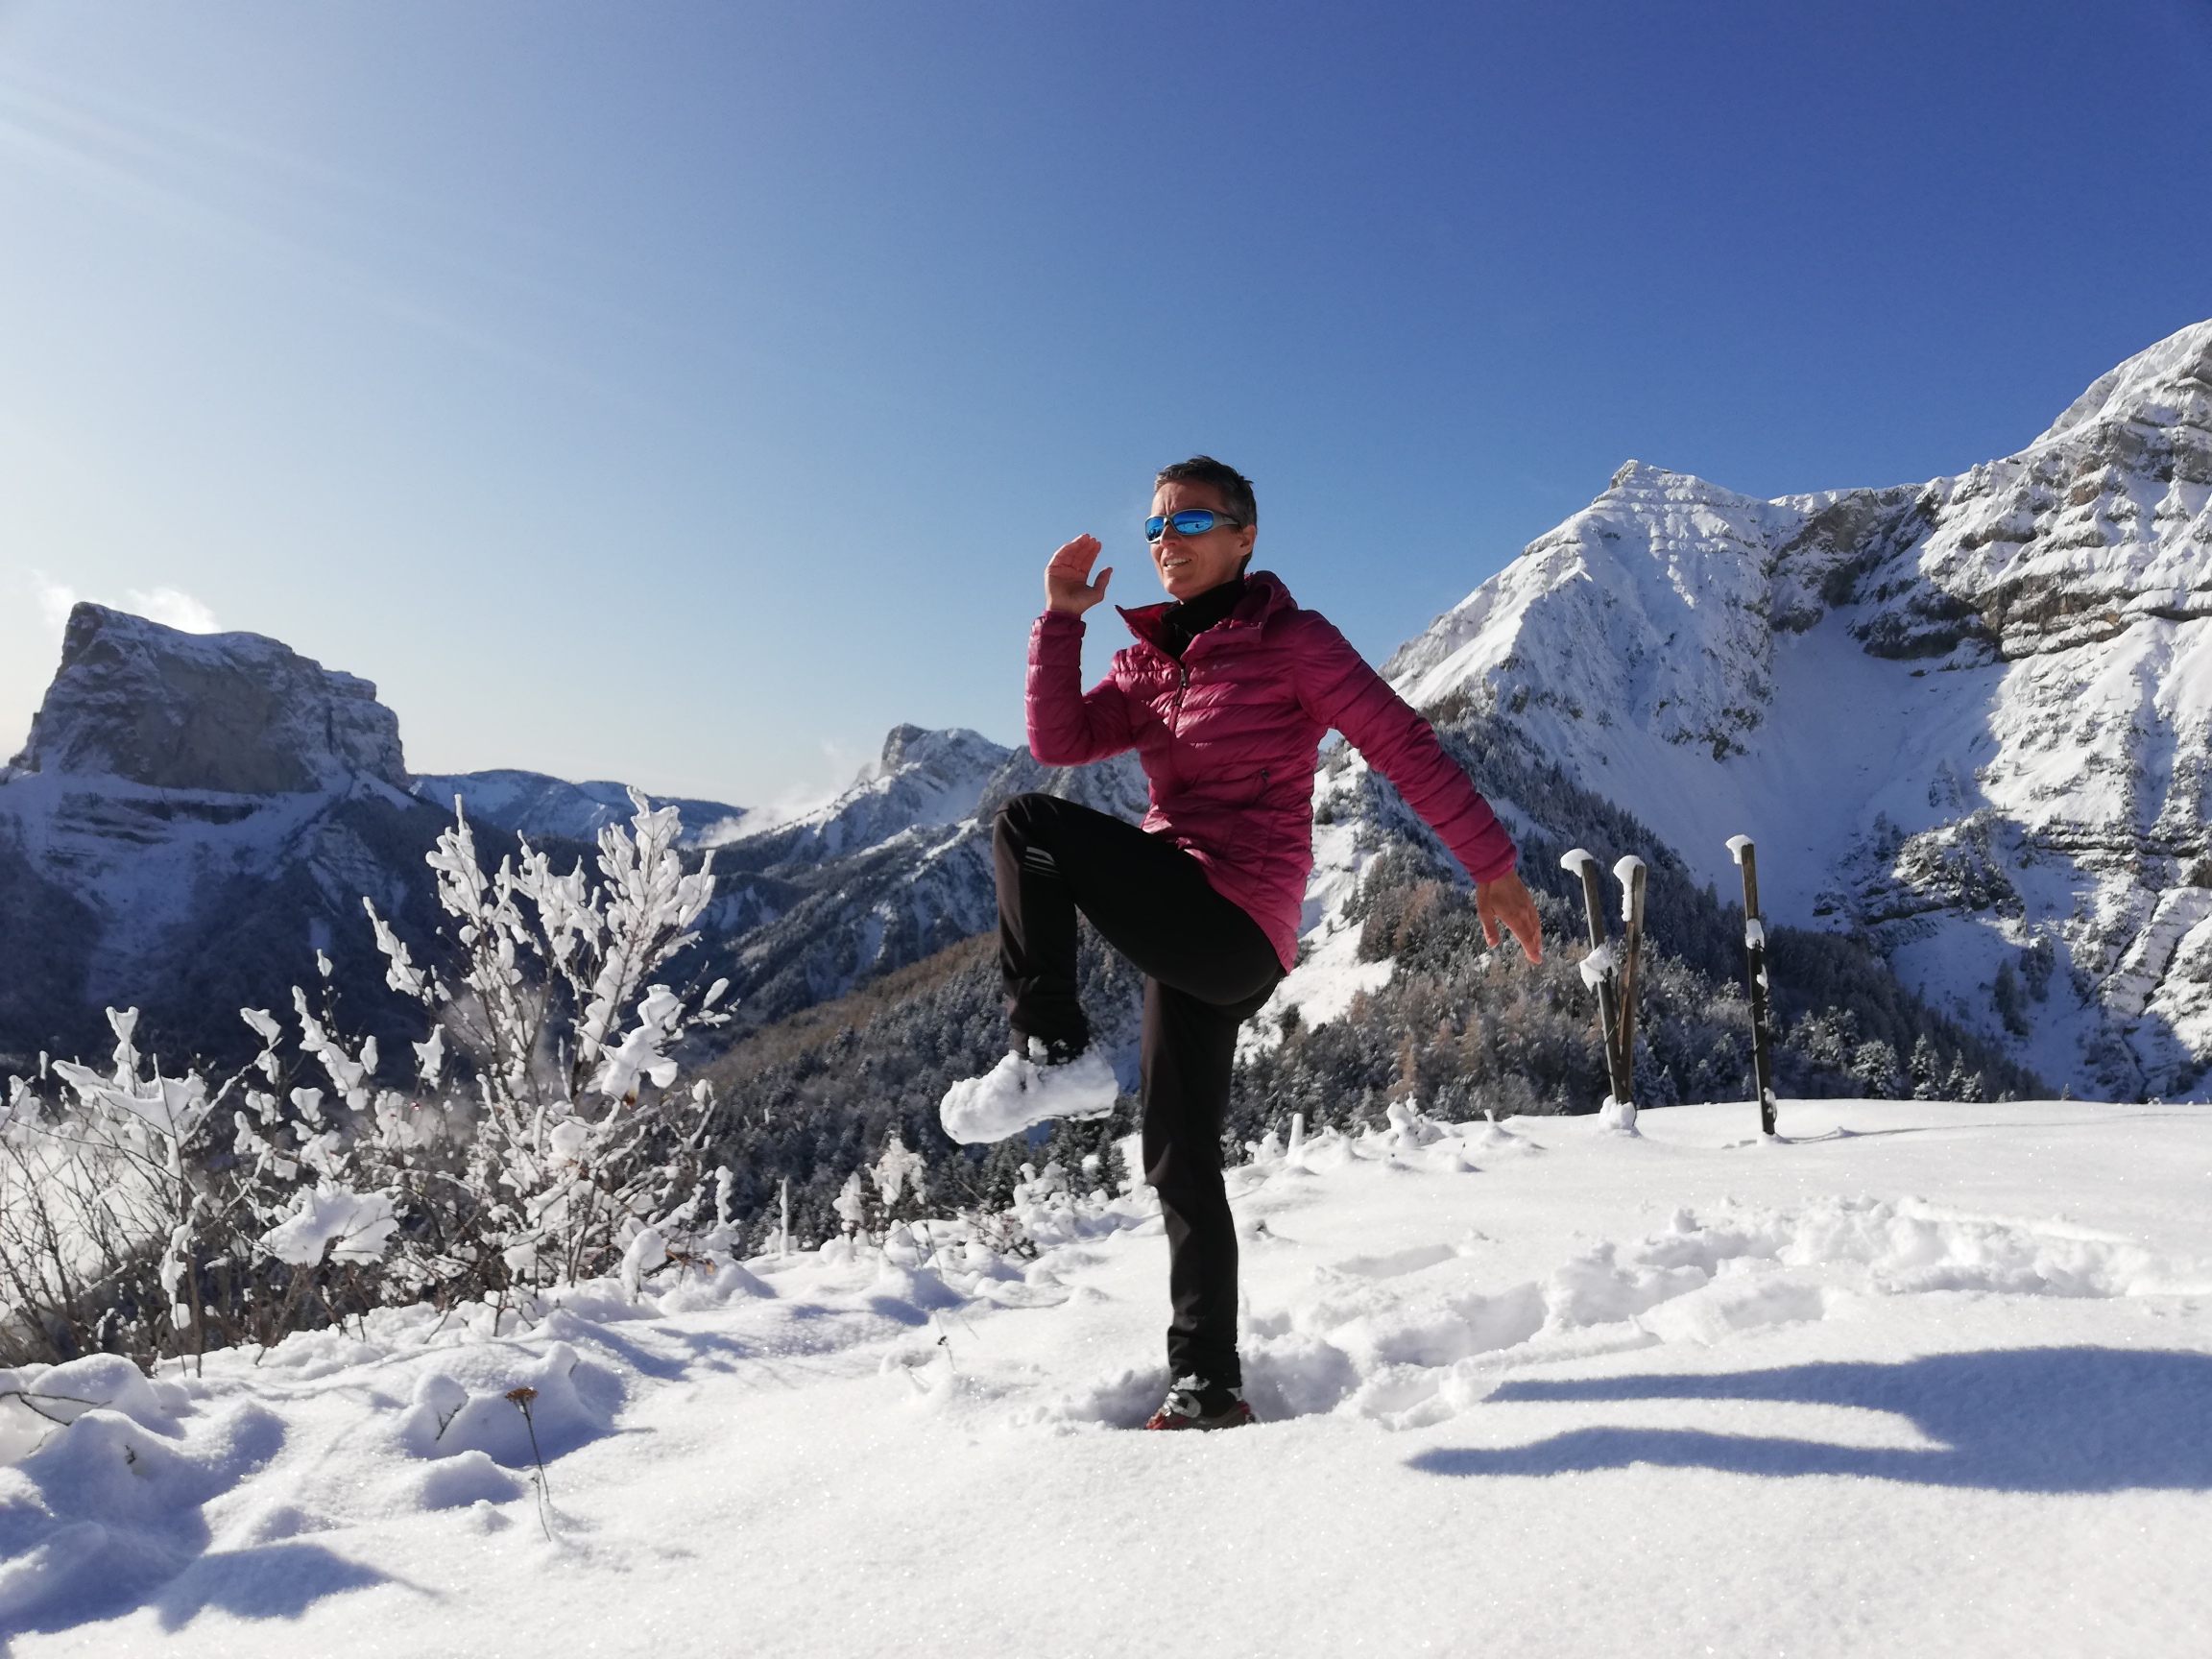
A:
1182,622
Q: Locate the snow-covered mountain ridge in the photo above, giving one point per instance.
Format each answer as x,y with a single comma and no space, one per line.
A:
196,817
1968,717
1971,716
895,869
815,900
541,807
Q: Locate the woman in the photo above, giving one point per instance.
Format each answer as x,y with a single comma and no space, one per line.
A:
1225,697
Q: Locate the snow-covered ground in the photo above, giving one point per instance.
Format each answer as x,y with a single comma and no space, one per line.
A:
1921,1379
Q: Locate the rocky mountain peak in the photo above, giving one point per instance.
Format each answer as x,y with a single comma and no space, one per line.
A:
2168,385
954,751
232,713
1970,717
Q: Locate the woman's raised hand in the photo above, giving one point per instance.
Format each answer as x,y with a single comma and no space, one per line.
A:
1067,584
1505,904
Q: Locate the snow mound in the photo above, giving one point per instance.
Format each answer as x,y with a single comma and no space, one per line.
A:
477,1403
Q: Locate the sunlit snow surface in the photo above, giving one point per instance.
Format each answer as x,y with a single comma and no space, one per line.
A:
1921,1378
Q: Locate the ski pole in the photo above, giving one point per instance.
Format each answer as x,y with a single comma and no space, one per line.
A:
1598,969
1740,848
1630,873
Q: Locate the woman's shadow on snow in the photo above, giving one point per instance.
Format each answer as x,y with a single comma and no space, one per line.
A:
2011,1420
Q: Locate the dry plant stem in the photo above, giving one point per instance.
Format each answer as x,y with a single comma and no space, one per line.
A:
30,1403
283,1313
199,1315
523,1397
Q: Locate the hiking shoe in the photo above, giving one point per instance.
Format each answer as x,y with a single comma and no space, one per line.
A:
1195,1404
1030,1085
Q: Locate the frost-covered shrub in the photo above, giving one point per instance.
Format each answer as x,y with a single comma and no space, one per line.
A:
579,1135
540,1135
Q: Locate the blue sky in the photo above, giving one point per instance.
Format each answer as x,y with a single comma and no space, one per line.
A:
686,393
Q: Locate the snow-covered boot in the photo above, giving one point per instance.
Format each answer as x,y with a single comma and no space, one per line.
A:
1034,1083
1194,1403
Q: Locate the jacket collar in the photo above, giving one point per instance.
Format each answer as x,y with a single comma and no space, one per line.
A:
1263,596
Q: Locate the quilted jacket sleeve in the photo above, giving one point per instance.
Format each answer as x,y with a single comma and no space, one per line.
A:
1338,688
1069,725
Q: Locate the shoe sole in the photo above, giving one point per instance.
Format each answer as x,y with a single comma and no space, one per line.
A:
1205,1424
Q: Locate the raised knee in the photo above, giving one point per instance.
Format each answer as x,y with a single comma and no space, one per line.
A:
1017,814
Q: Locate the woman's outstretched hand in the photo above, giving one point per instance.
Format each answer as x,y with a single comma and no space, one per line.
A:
1067,584
1505,904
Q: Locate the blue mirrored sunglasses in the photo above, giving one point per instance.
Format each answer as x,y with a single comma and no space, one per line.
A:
1190,521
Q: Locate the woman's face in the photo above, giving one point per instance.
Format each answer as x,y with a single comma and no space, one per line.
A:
1189,565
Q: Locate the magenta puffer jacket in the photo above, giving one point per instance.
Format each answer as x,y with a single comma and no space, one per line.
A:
1230,736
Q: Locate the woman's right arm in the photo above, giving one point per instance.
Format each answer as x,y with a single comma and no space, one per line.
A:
1068,726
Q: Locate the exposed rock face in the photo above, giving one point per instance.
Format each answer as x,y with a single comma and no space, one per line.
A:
1973,716
230,712
2098,525
193,819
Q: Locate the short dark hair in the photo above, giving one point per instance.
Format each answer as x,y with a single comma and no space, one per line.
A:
1236,489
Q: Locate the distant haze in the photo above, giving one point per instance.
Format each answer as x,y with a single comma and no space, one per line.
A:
688,395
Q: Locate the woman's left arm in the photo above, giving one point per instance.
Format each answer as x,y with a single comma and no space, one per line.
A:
1338,688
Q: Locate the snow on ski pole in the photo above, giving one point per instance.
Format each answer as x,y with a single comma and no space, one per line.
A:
1741,849
1630,873
1619,1107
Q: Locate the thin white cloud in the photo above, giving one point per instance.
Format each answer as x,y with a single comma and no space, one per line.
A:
849,767
172,607
55,601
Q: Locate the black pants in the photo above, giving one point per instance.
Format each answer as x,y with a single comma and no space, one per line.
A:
1206,969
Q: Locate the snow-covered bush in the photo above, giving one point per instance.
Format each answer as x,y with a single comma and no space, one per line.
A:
880,1196
542,1138
580,1136
104,1222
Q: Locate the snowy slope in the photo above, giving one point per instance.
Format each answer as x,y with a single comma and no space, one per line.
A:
922,779
536,805
893,868
1974,715
1530,1389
